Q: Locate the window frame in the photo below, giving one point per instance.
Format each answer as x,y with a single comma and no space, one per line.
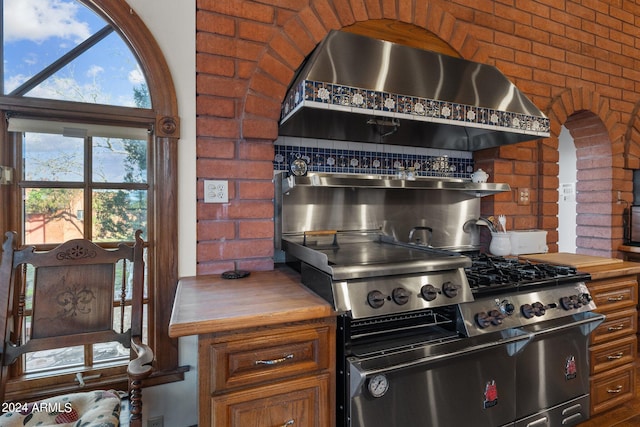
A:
163,118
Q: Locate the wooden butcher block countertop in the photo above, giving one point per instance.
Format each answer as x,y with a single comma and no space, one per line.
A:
209,303
598,267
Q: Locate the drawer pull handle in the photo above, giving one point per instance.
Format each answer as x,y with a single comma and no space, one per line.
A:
614,299
288,423
275,362
615,356
615,328
615,390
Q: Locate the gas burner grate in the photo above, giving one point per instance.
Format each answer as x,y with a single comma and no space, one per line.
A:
495,273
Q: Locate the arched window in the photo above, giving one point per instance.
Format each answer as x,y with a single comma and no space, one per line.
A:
88,149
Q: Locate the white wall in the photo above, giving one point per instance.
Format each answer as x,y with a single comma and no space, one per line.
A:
177,402
567,194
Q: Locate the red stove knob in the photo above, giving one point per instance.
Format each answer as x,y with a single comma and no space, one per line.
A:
429,292
376,299
400,296
449,289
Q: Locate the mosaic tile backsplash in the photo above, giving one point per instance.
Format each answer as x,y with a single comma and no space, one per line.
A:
337,160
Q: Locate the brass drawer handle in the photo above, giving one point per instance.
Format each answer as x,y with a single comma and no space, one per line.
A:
615,328
615,356
614,299
615,390
275,362
288,423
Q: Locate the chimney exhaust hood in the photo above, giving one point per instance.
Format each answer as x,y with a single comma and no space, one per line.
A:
356,88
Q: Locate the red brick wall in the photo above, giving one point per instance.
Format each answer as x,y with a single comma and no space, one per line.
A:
576,60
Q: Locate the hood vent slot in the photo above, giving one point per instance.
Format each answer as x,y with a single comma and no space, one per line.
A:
356,88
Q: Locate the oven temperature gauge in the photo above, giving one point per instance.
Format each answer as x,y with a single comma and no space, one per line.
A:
378,385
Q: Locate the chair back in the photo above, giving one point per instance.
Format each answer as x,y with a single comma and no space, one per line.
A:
79,290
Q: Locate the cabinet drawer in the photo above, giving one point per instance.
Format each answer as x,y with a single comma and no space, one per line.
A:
297,403
616,325
613,387
611,354
614,294
269,357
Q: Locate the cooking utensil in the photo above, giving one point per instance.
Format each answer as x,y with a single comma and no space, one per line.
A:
503,222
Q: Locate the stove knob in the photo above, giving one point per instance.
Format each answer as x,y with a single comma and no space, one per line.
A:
539,309
496,317
566,303
527,311
449,289
376,299
483,320
400,296
577,302
585,298
429,292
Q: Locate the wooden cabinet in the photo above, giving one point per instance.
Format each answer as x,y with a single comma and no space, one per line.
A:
613,347
613,344
266,350
278,376
299,402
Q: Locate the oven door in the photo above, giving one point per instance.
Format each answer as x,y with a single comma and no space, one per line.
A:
466,382
553,372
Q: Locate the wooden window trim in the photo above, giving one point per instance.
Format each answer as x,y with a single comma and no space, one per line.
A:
163,116
165,153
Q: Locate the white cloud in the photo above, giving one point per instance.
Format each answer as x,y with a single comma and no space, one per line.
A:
37,20
14,81
136,76
94,70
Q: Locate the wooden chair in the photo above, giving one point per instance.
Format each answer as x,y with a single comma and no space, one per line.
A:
74,289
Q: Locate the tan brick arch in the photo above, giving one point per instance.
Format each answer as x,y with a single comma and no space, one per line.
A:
598,138
304,29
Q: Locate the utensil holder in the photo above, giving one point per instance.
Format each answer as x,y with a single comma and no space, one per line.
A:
500,244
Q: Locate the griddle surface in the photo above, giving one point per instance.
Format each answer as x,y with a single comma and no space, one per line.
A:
377,253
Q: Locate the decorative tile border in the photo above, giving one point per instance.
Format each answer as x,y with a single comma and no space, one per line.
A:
357,100
331,160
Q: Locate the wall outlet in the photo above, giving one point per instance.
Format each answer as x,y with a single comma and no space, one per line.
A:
156,422
523,196
216,191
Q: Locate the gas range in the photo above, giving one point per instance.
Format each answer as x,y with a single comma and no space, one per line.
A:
425,327
509,293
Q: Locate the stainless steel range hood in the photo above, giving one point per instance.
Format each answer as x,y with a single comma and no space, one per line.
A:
355,88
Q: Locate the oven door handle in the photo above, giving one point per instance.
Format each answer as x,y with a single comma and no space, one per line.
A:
358,375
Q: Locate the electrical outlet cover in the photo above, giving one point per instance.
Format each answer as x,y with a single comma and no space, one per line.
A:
216,191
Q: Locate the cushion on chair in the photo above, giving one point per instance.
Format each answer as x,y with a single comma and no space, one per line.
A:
88,409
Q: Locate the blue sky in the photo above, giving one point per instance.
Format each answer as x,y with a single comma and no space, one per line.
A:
37,32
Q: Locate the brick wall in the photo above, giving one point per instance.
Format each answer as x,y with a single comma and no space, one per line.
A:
577,60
